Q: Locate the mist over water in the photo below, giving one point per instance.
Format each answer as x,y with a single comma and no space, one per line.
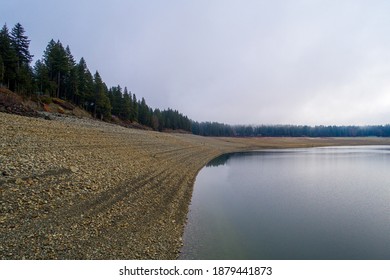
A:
317,203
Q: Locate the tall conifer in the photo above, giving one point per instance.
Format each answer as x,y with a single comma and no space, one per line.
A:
102,103
21,44
56,61
9,57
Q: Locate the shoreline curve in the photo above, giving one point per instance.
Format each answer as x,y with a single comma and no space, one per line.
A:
74,188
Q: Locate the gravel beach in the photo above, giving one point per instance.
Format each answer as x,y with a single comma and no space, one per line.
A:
75,188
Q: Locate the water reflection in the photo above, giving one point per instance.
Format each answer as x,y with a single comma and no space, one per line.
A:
320,203
218,161
224,158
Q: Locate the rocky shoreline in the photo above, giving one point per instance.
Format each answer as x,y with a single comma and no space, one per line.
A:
83,189
74,188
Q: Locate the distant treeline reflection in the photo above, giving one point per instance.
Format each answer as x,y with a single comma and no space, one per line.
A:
218,161
223,159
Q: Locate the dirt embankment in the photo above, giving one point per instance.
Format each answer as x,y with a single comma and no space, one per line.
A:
81,189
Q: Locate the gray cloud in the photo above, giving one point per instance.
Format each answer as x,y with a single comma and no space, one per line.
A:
296,62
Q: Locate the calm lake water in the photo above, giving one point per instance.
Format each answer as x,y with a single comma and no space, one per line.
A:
317,203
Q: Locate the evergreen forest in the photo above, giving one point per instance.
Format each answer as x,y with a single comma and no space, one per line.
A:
58,74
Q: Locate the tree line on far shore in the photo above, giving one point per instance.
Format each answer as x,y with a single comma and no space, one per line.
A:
57,74
218,129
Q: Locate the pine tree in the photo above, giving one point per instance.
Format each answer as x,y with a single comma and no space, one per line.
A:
71,77
56,61
157,120
102,103
116,100
9,57
83,95
126,107
21,44
41,75
144,116
24,79
134,116
90,96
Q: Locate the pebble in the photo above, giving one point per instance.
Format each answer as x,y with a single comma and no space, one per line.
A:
74,169
19,181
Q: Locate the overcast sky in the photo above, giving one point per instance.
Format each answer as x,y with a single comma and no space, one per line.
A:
233,61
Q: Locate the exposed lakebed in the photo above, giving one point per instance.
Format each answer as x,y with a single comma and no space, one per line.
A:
315,203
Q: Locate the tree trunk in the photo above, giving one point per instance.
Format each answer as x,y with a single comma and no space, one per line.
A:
58,84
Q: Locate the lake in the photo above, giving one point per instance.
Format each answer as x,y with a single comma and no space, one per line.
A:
327,203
